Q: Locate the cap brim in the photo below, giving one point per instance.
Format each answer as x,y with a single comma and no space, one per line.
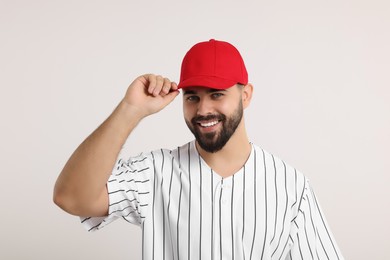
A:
207,82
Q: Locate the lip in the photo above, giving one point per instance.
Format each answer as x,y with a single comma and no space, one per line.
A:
208,126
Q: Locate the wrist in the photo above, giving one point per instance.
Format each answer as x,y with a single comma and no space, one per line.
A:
130,113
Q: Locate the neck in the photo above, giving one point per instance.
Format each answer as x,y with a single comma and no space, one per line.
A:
232,156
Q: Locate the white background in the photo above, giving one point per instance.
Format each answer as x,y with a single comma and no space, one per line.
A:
320,71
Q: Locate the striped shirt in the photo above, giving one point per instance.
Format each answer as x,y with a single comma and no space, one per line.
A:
267,210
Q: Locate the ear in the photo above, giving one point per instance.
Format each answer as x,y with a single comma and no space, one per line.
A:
247,92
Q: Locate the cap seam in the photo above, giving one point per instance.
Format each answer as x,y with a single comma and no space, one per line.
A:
215,56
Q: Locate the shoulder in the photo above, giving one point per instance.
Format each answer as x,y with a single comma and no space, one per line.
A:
271,159
274,165
175,153
154,157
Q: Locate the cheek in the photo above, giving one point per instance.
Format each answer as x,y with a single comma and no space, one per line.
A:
187,112
227,107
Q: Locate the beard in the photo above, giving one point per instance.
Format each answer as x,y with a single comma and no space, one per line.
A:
214,141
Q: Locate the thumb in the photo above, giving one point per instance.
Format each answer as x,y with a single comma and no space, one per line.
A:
170,96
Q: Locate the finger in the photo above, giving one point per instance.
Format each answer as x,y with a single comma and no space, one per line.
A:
173,86
159,84
166,87
152,79
144,79
170,97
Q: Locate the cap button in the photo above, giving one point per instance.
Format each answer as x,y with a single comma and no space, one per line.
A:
212,40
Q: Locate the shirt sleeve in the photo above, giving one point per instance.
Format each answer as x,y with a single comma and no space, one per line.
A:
310,234
129,188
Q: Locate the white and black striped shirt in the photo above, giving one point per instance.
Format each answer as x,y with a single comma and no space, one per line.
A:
266,210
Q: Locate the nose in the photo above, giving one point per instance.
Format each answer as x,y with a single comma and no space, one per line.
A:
204,107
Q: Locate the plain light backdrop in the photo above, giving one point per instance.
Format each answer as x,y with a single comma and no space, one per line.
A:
320,71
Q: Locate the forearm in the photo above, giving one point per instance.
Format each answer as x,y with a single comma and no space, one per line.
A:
81,187
84,177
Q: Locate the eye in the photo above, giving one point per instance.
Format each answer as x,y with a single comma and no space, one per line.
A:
192,98
216,95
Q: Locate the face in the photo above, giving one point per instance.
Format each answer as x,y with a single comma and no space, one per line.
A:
212,115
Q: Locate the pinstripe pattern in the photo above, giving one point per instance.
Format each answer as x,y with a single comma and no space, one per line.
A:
200,208
267,210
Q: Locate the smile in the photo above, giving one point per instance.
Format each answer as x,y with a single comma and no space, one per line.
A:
208,124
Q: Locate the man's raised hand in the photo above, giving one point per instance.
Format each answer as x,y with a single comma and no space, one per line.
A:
150,93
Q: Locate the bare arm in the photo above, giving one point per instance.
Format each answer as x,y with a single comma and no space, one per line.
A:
81,187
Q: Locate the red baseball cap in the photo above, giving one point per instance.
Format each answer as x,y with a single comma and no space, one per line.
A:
213,64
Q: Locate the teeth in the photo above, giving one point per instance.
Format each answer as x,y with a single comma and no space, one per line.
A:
209,124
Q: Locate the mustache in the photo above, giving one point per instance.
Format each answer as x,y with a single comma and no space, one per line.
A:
219,117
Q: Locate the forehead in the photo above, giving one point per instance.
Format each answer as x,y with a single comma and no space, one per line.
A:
201,90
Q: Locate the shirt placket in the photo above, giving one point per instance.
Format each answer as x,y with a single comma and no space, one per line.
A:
222,221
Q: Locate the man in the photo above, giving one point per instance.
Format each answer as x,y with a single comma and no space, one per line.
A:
218,197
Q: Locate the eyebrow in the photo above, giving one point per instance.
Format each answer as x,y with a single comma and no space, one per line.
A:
209,90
